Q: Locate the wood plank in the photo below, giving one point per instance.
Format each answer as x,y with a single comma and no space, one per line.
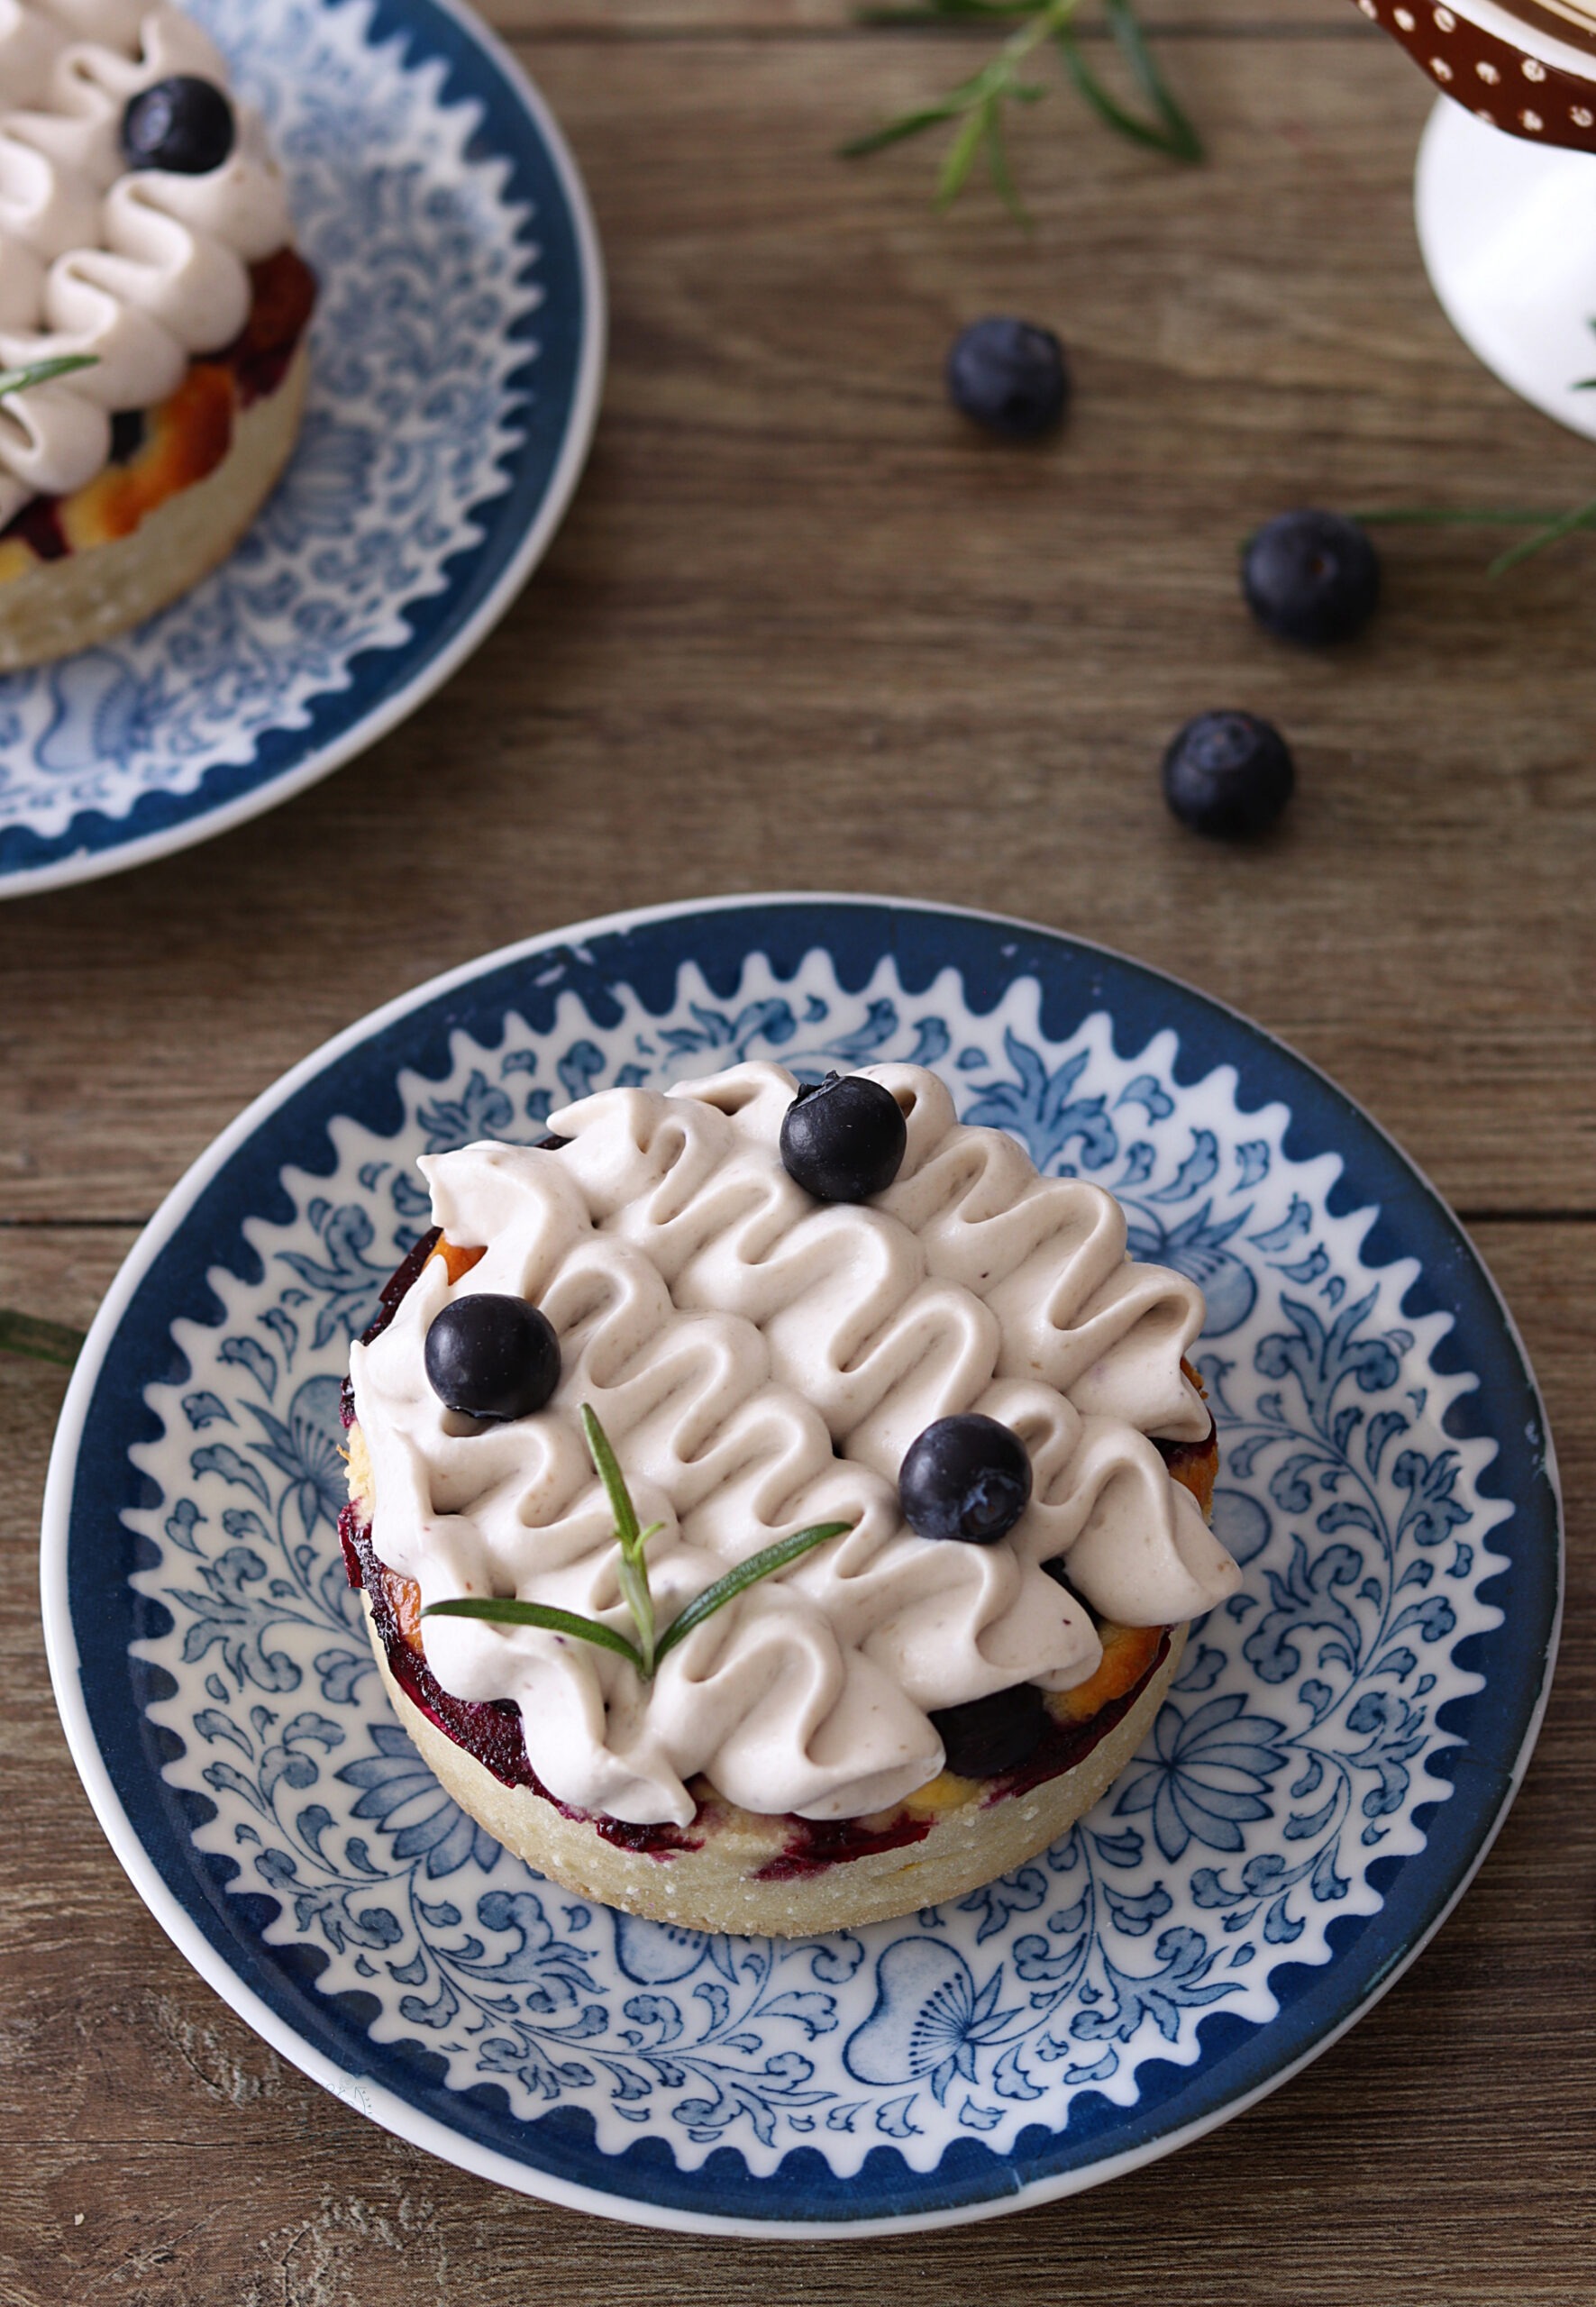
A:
534,21
153,2150
804,628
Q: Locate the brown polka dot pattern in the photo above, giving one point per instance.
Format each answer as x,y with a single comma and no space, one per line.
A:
1496,80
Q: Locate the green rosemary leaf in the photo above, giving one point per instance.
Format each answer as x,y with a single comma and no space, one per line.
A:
632,1572
998,169
961,158
40,1341
608,1469
747,1574
1549,528
510,1612
895,132
1581,517
1107,107
978,104
45,372
1184,143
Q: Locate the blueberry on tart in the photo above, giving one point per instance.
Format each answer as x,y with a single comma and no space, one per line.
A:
153,319
774,1513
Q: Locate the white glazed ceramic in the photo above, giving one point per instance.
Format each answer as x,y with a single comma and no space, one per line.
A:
1508,230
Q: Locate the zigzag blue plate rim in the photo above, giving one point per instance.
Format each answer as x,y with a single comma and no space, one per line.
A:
91,1619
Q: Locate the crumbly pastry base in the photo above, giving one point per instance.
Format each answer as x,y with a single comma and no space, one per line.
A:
716,1887
98,592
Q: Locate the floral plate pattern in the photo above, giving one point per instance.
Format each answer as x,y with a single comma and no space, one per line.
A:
456,356
1340,1744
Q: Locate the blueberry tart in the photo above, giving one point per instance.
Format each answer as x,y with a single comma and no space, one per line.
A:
153,319
918,1474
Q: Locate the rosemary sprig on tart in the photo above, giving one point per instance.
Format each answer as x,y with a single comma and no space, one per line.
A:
650,1646
45,372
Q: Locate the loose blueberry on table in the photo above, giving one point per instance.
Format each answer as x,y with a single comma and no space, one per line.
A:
1010,377
492,1357
844,1139
184,124
1311,577
964,1477
1228,774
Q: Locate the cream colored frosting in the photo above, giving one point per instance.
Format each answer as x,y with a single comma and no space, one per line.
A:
761,1361
143,269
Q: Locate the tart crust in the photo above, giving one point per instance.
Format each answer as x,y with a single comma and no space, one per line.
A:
726,1883
90,594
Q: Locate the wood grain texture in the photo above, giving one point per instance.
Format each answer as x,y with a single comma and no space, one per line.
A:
802,629
532,20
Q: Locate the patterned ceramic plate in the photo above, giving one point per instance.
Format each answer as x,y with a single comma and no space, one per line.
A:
1341,1745
457,350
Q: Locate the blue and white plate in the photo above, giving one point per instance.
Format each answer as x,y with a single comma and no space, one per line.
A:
457,350
1335,1756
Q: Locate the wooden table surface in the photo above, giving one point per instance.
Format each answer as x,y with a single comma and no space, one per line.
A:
804,629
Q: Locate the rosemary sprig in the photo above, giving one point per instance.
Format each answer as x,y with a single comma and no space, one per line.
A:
645,1653
632,1568
1169,130
510,1612
978,105
45,372
1548,527
40,1341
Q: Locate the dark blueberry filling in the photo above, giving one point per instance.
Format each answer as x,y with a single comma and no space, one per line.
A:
128,429
987,1735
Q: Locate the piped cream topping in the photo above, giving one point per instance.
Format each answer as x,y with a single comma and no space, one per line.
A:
761,1362
143,269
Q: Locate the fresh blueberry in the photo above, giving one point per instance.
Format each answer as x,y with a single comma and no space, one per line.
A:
1228,773
1009,377
1311,577
965,1477
845,1138
183,124
994,1734
492,1357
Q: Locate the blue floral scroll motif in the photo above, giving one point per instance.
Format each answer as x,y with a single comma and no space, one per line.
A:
1294,1749
1210,1776
929,2021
